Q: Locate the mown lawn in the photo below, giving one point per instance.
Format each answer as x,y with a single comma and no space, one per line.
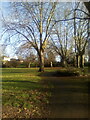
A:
22,93
27,93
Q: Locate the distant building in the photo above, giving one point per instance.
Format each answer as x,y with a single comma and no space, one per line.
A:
5,59
21,61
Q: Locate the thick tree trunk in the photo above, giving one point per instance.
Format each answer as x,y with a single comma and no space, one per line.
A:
41,58
63,61
81,61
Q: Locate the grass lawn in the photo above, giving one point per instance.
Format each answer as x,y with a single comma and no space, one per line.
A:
26,93
22,93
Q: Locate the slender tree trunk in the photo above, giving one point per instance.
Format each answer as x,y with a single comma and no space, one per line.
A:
51,64
81,61
75,60
29,65
41,58
78,61
75,38
89,40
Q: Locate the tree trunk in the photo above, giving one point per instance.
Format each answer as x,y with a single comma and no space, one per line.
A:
41,58
63,61
81,61
75,61
29,65
51,64
78,61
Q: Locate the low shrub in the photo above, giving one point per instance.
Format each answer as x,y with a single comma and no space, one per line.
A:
87,64
67,72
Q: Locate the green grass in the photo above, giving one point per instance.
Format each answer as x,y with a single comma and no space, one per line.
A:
27,89
22,88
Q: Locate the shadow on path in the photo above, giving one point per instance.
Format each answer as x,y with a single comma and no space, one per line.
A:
69,97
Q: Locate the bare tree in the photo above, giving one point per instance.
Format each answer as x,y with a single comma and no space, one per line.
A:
80,34
32,22
61,40
87,4
81,42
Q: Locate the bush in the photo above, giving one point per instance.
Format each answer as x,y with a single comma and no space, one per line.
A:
3,65
67,72
87,64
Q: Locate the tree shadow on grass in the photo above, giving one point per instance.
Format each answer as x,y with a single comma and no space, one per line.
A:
69,97
20,85
17,81
60,73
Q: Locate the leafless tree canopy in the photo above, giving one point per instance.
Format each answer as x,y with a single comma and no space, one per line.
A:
35,24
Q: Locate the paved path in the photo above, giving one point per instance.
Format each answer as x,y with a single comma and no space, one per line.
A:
69,97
